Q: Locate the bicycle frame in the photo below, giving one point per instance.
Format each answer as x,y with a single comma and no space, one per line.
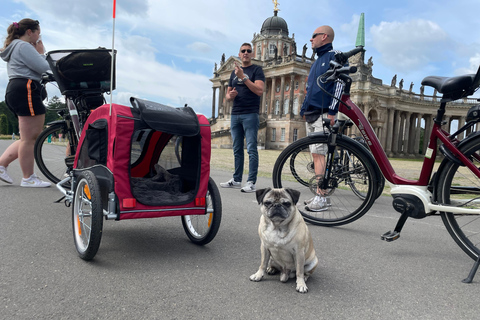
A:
400,185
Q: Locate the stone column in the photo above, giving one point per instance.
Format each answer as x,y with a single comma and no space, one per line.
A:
213,102
461,123
390,125
292,91
396,131
221,98
282,95
406,138
418,128
271,106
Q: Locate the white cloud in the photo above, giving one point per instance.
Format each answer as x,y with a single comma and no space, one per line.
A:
200,47
410,45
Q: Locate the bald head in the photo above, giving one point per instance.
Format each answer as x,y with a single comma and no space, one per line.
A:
321,36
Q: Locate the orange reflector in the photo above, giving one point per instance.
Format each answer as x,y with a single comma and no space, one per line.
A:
129,203
210,220
79,226
86,190
200,202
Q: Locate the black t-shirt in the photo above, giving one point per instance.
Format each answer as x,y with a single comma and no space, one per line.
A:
246,101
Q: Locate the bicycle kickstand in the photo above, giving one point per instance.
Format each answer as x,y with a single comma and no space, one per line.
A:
394,235
472,273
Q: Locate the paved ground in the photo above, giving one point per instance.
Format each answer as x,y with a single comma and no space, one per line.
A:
148,269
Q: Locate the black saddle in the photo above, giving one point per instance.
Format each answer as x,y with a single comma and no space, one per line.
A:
454,88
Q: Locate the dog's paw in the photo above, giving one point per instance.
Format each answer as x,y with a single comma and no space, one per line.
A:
302,289
302,286
256,277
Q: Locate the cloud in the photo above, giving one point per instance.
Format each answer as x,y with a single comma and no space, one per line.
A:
406,46
200,47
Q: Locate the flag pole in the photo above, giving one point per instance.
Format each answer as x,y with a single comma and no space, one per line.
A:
112,66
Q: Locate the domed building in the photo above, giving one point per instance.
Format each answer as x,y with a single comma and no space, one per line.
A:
398,115
285,79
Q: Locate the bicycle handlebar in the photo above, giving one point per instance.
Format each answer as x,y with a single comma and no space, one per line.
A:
47,77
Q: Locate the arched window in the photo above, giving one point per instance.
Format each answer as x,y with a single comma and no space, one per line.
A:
286,105
277,107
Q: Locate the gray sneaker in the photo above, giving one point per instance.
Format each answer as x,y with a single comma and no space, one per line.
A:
318,204
231,184
249,187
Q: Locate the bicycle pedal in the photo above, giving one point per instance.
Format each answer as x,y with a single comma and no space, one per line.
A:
390,236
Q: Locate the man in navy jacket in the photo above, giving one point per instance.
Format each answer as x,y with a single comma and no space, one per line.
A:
319,104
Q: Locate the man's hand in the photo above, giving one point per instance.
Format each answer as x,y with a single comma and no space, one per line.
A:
239,71
232,94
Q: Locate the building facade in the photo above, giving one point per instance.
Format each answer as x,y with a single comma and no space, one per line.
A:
398,115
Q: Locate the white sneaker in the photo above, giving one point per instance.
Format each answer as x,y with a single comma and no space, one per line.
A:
318,204
4,175
249,187
34,182
327,199
231,184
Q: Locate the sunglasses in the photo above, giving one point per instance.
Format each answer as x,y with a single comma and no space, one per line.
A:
246,50
317,34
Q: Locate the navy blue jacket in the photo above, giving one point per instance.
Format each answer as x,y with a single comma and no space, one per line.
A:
317,101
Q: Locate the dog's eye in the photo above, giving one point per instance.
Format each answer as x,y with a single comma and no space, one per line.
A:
267,203
286,204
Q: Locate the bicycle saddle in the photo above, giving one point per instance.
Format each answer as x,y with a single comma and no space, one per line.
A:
454,87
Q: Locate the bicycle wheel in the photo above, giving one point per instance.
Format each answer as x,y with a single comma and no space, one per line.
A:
201,229
87,215
349,178
50,151
458,186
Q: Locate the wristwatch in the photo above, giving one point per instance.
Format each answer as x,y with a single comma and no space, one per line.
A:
244,79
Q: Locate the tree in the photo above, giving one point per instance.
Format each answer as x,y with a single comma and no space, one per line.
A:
54,105
3,124
12,122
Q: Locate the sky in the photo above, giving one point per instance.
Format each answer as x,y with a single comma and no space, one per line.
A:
167,49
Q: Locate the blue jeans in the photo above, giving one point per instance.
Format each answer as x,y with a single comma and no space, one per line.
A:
245,126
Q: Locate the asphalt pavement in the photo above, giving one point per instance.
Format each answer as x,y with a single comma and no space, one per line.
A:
148,269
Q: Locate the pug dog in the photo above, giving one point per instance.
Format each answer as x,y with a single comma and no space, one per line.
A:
286,244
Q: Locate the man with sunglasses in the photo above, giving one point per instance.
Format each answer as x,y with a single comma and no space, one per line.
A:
245,88
318,104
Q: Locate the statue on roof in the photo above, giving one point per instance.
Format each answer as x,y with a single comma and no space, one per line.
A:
394,81
275,8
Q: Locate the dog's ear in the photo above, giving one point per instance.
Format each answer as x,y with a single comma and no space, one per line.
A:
295,194
261,194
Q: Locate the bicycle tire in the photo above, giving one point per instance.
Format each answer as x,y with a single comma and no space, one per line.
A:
346,205
201,229
50,152
87,215
459,186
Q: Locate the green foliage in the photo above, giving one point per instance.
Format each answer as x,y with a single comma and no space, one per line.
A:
12,122
3,124
54,105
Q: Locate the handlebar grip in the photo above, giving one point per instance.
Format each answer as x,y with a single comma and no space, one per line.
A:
342,57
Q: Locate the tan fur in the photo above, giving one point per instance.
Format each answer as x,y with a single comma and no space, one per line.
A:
286,243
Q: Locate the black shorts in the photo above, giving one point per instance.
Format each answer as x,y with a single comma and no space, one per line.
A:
24,97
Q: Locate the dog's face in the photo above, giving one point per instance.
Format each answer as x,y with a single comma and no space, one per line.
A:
278,205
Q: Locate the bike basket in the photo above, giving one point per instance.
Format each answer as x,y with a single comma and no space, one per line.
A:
82,70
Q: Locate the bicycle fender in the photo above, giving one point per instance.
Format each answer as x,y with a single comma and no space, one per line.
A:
55,122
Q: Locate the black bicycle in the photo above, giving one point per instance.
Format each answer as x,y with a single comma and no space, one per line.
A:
56,146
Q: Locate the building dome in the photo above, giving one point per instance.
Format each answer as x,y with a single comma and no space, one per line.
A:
274,26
